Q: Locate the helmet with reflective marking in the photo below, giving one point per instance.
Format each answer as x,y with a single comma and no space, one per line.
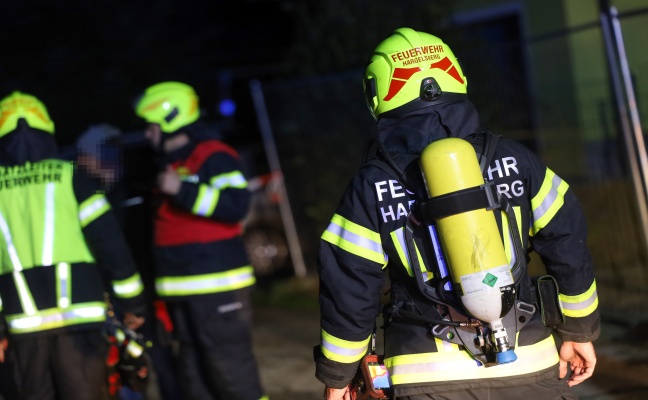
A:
172,105
24,106
411,70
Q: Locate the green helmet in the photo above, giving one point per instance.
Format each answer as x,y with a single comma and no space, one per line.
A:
21,105
411,70
172,105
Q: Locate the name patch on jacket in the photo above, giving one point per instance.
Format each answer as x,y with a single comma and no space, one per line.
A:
506,167
29,174
386,191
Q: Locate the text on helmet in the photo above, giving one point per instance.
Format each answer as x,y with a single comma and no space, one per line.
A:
417,51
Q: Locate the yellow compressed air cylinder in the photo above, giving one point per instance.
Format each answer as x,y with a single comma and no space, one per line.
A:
471,241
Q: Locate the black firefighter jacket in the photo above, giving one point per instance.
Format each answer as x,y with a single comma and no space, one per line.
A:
365,238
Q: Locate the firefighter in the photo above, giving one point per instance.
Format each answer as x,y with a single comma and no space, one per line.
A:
54,226
202,268
416,91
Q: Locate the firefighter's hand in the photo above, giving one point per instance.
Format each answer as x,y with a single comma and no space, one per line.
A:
169,181
339,394
132,321
4,343
581,358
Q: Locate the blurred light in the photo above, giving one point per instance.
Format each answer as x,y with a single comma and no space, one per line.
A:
227,107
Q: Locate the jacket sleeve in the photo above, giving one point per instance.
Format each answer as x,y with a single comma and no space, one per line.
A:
350,266
106,242
222,192
559,236
3,323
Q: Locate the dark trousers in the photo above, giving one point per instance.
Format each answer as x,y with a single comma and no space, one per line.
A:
64,366
551,389
216,358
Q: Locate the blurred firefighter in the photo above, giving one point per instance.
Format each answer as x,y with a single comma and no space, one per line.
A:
202,269
100,152
56,228
121,164
417,93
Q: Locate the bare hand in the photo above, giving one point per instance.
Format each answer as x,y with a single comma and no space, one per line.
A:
132,321
581,358
346,393
169,181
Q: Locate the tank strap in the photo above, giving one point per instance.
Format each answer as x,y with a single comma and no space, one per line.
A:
387,163
485,143
484,196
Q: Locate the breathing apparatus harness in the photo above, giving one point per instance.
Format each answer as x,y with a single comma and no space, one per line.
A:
448,320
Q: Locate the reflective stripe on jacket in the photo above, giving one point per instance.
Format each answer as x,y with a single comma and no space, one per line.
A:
365,237
48,278
199,249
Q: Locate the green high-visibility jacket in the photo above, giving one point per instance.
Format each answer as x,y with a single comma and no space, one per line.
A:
53,223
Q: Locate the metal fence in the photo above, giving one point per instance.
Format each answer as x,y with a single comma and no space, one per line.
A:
541,91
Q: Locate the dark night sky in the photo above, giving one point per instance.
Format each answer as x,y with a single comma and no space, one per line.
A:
88,60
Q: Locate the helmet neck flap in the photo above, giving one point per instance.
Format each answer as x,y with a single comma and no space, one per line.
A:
410,133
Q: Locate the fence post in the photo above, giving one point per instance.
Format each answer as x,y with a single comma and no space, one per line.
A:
273,160
627,109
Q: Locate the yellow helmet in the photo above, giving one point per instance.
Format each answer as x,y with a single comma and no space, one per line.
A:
172,105
21,105
411,70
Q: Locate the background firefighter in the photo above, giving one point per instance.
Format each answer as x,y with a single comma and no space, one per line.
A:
202,270
54,225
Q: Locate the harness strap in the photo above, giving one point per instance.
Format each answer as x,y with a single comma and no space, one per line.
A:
484,196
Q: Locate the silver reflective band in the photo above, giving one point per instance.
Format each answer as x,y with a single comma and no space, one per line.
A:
207,199
134,349
549,199
356,239
55,320
581,304
127,288
216,282
92,208
48,235
63,275
11,249
234,179
355,353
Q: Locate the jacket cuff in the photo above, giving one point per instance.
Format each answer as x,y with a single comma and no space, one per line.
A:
580,330
186,196
136,305
334,374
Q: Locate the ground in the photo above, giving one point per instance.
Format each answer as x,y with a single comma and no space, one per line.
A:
286,327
